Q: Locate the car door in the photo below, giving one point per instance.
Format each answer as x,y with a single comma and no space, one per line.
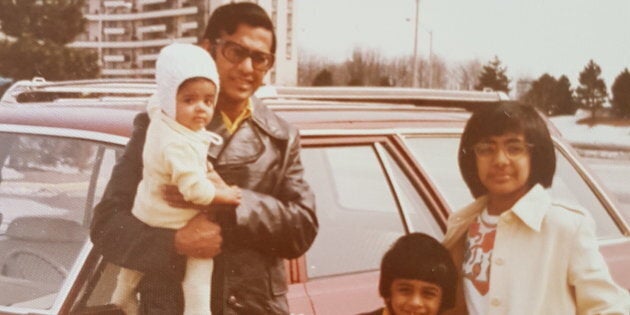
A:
50,179
367,196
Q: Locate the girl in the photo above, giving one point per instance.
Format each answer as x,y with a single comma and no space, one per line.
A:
519,252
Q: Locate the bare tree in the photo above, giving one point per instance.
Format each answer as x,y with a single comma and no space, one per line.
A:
367,67
466,74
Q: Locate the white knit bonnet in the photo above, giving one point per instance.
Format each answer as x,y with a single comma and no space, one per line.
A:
177,63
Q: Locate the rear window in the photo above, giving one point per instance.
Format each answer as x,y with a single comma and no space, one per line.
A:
438,157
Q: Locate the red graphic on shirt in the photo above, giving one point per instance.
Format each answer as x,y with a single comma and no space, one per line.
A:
479,244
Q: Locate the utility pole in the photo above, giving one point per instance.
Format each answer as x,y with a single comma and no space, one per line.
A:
414,79
430,59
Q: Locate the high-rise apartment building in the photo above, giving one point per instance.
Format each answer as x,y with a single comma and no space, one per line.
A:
128,34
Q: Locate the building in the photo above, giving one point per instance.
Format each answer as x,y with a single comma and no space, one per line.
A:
128,34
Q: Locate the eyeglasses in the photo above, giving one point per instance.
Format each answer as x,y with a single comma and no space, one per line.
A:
513,150
236,53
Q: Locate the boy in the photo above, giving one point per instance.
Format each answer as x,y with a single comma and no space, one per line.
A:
417,277
175,154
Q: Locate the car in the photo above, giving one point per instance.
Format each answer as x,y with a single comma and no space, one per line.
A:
610,162
381,161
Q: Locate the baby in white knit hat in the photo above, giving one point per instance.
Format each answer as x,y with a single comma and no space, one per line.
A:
175,154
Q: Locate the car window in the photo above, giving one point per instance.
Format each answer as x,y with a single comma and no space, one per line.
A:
47,190
612,167
416,212
357,212
438,157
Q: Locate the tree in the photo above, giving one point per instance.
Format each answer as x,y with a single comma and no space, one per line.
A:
541,94
323,78
467,74
551,96
493,76
621,94
565,100
591,94
38,32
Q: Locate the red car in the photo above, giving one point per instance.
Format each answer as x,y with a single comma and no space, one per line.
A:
400,145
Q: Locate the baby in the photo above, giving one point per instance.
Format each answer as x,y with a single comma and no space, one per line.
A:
175,154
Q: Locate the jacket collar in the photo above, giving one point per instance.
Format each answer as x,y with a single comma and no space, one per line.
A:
533,207
268,121
530,209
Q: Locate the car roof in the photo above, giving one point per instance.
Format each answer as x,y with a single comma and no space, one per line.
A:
308,108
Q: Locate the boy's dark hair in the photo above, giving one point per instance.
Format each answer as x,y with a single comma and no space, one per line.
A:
226,18
419,256
497,120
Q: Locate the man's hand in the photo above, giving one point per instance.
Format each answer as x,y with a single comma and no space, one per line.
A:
199,238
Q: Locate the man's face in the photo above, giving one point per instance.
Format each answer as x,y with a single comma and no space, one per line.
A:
414,297
240,79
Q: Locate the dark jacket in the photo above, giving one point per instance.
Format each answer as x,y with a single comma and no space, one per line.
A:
276,220
374,312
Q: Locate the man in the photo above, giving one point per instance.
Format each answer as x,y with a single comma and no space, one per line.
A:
276,217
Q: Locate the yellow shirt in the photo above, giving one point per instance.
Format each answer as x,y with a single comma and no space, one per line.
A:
230,125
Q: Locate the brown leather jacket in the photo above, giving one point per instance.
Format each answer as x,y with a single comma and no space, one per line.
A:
276,220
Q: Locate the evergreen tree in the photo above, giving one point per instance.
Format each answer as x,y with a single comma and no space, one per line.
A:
564,97
621,94
551,96
541,94
591,94
493,76
38,32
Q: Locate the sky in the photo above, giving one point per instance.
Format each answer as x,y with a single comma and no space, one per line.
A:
530,37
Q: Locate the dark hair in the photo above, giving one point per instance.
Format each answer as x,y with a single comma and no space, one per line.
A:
227,18
419,256
496,120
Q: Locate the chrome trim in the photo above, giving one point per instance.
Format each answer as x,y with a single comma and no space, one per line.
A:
79,262
65,132
141,15
384,131
385,94
133,44
382,154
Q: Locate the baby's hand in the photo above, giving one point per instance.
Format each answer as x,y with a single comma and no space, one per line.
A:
227,195
216,180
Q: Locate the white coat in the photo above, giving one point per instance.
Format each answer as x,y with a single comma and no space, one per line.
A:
545,260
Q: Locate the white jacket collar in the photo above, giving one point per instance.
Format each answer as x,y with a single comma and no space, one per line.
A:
533,207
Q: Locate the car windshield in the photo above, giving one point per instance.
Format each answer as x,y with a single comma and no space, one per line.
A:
48,186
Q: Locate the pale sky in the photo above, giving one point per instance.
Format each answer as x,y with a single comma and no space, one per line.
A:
530,37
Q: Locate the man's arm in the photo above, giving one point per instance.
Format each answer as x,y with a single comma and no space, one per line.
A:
284,223
116,233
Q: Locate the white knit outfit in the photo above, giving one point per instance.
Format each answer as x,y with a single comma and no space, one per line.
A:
174,155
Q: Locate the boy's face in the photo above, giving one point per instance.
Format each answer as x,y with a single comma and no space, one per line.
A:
195,103
414,297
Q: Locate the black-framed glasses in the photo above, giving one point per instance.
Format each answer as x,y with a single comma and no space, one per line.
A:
236,53
513,150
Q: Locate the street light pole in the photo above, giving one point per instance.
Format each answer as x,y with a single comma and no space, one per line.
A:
430,58
414,79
